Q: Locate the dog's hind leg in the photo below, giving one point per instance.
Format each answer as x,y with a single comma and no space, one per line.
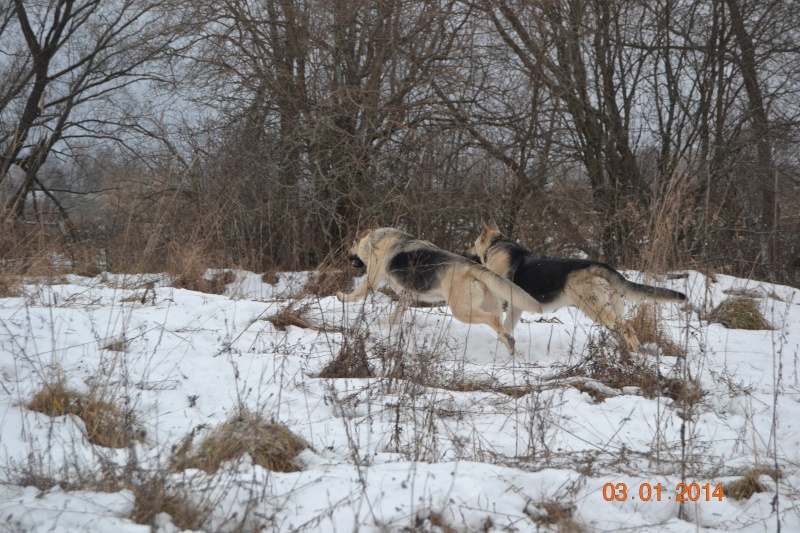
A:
476,305
477,316
597,301
513,315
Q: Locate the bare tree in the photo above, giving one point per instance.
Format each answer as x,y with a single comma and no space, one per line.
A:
78,56
325,94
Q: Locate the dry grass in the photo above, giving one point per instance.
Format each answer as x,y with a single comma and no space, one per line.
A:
607,362
463,384
153,497
106,425
194,281
739,312
749,483
270,277
556,514
9,286
289,316
296,314
406,366
328,282
351,361
85,260
743,488
649,330
119,345
435,522
269,444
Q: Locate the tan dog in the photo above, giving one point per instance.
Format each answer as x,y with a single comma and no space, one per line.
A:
595,288
418,270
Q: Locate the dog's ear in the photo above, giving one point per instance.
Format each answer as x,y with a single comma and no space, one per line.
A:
492,226
484,227
363,233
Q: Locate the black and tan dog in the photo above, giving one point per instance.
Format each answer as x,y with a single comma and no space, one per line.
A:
595,288
418,270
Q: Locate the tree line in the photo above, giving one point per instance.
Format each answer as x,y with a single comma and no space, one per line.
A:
262,133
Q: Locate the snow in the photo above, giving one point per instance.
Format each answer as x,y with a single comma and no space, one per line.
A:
388,454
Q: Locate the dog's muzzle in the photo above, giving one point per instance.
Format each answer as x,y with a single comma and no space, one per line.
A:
355,261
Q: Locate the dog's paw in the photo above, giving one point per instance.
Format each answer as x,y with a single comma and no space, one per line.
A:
510,344
340,296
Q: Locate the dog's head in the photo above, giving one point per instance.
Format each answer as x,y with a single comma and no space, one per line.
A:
484,241
360,249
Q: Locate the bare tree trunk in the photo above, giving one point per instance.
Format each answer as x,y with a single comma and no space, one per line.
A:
766,224
41,55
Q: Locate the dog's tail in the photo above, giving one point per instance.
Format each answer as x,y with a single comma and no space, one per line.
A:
636,292
506,290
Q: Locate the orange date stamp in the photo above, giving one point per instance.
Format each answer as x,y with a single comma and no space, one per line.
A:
684,492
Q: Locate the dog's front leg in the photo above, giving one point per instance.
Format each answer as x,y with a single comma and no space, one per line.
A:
361,292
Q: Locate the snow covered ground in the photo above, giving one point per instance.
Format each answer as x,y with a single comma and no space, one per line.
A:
452,434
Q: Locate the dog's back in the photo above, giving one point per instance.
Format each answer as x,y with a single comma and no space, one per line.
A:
420,268
546,278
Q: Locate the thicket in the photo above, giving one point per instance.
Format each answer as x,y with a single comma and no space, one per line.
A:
144,135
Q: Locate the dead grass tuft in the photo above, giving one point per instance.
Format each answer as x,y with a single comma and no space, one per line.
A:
269,444
296,315
609,364
743,488
119,345
194,281
105,424
556,514
289,316
55,400
739,312
270,277
9,286
351,361
685,393
435,522
649,330
153,497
